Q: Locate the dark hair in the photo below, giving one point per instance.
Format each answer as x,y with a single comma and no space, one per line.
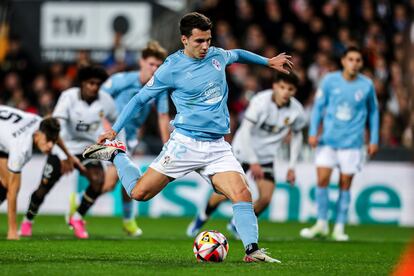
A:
289,78
351,49
91,72
154,49
51,128
194,20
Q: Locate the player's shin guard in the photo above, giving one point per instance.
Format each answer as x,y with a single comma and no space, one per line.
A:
322,201
128,173
88,199
246,224
343,206
3,193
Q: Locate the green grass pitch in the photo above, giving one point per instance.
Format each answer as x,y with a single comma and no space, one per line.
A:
165,250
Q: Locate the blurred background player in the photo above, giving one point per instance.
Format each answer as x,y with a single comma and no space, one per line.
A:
271,116
345,102
80,111
122,87
20,132
195,77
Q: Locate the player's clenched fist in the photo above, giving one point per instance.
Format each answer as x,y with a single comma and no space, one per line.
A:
109,134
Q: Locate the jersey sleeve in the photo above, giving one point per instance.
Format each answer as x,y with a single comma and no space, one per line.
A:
19,155
112,85
162,103
373,116
253,111
319,106
300,121
62,107
159,83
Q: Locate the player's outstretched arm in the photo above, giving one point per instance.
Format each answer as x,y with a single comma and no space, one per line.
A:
281,62
13,187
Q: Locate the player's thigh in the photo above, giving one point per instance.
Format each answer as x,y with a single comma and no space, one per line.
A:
265,188
149,185
233,185
350,161
111,178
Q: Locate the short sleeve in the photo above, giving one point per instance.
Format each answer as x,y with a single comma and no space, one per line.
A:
62,107
19,155
253,111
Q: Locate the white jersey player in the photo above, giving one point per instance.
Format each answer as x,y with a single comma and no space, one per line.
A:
270,117
81,112
20,132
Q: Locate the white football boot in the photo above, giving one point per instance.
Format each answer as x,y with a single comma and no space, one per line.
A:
105,152
260,256
338,234
319,230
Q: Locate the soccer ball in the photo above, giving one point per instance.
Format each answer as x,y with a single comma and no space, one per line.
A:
210,246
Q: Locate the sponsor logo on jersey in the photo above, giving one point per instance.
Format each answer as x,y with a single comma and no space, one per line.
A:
216,64
212,94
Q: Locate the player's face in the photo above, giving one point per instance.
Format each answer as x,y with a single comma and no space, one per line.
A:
352,63
90,88
43,144
148,66
196,45
283,91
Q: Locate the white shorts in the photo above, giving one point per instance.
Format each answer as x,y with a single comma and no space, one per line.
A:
349,161
182,155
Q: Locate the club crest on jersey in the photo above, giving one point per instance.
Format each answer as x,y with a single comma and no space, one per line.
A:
216,64
150,82
286,121
101,114
358,95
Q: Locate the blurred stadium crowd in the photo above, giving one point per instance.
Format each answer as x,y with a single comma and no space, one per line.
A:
314,32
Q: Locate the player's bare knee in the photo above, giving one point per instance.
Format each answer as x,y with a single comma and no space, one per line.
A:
242,194
140,195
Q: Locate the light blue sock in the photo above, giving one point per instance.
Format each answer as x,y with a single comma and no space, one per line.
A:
128,210
246,222
322,201
128,173
342,206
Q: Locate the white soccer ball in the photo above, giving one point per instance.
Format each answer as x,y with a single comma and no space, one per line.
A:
210,246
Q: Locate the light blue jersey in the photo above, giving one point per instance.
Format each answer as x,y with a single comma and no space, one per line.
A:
123,87
198,88
344,106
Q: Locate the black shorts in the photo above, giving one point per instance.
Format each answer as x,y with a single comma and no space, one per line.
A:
267,169
4,154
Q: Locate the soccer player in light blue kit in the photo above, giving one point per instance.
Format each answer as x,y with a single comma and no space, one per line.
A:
195,78
123,87
345,101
